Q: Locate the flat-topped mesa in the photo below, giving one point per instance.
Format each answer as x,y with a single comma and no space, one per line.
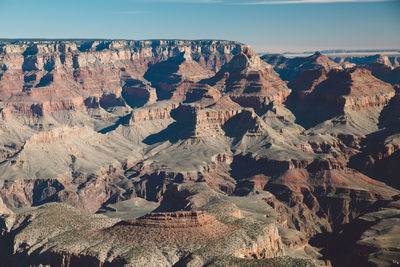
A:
59,134
152,112
180,228
224,117
211,54
44,108
178,219
204,122
366,60
351,89
249,81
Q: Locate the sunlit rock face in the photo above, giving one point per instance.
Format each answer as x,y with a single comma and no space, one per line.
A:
196,153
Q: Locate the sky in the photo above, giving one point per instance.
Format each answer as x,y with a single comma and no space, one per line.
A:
266,25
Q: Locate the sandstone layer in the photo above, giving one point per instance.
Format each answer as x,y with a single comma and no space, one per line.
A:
232,164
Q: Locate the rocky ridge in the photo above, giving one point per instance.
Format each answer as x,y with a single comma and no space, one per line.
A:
205,135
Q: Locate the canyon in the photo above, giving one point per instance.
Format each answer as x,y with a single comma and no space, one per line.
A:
196,153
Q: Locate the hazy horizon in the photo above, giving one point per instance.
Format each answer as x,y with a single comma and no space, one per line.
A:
268,26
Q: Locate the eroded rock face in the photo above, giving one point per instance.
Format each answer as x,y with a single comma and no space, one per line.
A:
250,82
180,228
157,238
41,77
347,90
290,68
337,92
383,67
390,61
371,239
238,165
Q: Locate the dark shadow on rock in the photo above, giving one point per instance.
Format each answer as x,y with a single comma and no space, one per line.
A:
40,257
174,199
45,80
195,95
121,121
29,63
390,114
163,77
102,46
86,46
237,126
75,62
45,191
385,73
244,166
7,241
339,246
323,103
30,78
173,133
243,188
311,112
111,100
3,69
30,51
181,129
373,160
370,162
135,93
49,65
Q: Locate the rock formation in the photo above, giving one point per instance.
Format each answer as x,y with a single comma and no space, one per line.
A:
290,68
232,165
339,91
390,61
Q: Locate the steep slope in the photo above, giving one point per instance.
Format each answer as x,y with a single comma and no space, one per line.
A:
290,68
337,92
371,240
235,167
166,76
386,68
72,237
37,78
247,80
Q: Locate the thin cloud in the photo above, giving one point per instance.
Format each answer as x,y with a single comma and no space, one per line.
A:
288,2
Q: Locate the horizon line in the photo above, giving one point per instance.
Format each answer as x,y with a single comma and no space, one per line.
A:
258,50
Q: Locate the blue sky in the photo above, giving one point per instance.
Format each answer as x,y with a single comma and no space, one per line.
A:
269,26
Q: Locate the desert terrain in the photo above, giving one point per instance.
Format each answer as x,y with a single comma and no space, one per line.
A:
196,153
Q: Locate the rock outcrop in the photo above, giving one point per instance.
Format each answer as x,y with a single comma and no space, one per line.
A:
231,164
390,61
337,92
383,67
290,68
182,228
41,77
249,81
58,234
